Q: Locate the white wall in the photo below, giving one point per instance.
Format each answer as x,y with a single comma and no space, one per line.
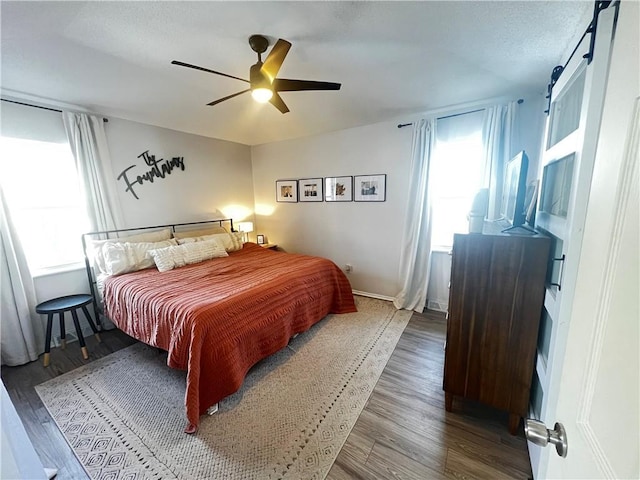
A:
529,132
365,235
438,289
19,458
216,180
368,236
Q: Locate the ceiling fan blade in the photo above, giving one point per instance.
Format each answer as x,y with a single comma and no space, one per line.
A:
272,64
284,85
215,102
182,64
277,102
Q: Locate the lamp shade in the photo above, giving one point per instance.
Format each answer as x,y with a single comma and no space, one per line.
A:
245,227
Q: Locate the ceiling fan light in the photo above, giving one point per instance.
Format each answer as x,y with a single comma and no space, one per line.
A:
261,95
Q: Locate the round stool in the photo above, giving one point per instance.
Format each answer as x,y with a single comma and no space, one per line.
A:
65,304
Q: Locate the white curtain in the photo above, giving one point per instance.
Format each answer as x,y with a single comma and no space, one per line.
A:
415,260
498,137
88,142
21,330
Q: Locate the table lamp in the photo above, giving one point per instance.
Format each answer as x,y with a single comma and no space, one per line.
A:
245,228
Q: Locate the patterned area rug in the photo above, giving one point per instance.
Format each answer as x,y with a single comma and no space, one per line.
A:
123,415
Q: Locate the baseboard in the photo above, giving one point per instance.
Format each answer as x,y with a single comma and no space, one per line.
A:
373,295
437,305
72,336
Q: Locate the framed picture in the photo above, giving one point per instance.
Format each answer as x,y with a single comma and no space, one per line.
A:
370,188
338,189
286,190
260,239
310,189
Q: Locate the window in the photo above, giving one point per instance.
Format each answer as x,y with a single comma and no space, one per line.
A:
41,187
456,175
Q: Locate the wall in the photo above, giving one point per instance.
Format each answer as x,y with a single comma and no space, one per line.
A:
438,289
365,235
216,180
19,458
529,132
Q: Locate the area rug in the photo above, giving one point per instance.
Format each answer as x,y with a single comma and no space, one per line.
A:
123,415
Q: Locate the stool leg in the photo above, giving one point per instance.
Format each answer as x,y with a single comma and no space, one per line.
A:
47,342
63,333
83,347
97,312
91,324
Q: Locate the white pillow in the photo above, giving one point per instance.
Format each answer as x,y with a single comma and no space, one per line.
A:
210,230
169,258
94,247
230,241
129,257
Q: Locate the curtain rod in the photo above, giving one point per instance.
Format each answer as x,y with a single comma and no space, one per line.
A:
39,106
402,125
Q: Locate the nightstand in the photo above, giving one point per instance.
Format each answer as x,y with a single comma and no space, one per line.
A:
270,246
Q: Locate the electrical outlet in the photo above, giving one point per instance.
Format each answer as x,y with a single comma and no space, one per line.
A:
348,268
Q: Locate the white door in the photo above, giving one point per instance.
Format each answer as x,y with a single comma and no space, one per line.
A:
587,370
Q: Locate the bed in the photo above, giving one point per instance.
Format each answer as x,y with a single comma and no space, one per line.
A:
218,317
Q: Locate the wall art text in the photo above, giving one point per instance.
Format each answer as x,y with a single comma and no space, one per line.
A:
158,169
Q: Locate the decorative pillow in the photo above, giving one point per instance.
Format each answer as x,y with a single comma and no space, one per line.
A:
129,257
94,247
157,236
238,241
230,241
200,232
169,258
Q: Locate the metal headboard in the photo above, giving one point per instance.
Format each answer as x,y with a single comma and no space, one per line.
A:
115,234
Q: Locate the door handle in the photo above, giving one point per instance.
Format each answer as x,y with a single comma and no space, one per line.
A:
560,274
538,433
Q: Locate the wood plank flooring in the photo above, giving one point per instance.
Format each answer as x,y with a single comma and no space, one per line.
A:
403,432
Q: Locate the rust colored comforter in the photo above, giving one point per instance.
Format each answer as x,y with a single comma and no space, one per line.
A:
220,317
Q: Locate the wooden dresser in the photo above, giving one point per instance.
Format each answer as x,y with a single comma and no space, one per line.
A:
495,304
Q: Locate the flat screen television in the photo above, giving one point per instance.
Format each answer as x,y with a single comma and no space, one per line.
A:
513,208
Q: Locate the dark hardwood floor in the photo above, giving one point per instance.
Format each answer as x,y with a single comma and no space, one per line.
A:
403,432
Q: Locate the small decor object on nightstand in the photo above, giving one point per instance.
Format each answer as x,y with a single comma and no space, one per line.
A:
260,239
370,188
287,191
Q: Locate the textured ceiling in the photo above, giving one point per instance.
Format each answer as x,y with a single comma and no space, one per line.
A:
393,59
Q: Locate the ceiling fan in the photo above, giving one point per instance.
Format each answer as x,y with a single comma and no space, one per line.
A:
263,84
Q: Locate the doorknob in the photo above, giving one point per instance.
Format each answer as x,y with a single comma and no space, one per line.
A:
538,433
